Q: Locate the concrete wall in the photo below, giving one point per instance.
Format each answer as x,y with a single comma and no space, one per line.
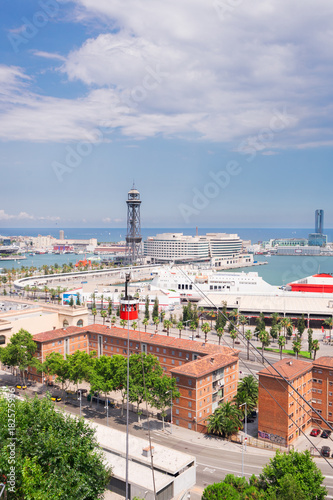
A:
185,480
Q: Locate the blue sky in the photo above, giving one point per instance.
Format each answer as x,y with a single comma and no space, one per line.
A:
220,111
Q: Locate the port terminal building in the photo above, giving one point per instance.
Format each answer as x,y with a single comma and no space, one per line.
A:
219,249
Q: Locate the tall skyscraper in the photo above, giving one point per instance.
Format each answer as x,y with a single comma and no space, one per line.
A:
319,224
133,237
61,234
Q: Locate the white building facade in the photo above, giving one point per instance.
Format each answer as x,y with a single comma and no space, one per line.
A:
220,249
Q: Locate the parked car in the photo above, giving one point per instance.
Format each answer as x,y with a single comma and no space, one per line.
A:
325,451
254,414
21,386
325,434
315,432
57,399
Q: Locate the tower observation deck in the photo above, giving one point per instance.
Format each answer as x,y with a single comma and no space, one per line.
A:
133,237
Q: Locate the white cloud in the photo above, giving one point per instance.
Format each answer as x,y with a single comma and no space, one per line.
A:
25,216
181,68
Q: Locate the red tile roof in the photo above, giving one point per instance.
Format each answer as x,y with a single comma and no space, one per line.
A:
159,340
324,361
163,340
57,334
289,368
201,367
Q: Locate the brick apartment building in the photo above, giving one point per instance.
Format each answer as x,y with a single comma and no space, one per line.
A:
280,406
206,374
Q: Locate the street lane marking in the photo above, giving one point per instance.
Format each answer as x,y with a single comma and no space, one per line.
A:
232,463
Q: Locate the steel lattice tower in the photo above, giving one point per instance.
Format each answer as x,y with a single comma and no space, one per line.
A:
133,237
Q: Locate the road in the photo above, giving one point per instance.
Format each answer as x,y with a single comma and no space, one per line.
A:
215,457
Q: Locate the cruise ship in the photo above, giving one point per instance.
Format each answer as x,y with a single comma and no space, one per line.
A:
191,283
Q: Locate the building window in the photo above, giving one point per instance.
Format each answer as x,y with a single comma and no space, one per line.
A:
189,414
164,360
180,354
164,351
190,404
177,422
173,361
173,353
157,349
177,380
177,411
80,323
329,413
151,348
2,339
190,426
189,382
177,400
190,393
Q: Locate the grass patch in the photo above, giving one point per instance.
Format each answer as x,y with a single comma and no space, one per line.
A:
302,354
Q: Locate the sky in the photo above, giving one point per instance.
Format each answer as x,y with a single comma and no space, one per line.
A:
220,112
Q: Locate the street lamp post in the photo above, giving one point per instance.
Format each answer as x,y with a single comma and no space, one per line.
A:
245,438
80,399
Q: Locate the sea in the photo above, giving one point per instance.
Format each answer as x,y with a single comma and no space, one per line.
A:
278,270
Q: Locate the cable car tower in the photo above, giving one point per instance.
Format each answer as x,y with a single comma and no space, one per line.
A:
133,237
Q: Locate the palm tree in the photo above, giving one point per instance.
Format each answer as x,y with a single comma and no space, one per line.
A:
264,339
145,322
315,348
248,336
296,347
329,322
225,421
103,314
206,329
285,322
94,312
233,317
243,320
248,388
233,335
46,289
113,320
156,322
282,343
219,333
123,322
134,325
193,326
180,326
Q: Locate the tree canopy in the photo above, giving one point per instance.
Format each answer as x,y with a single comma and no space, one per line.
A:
56,456
288,476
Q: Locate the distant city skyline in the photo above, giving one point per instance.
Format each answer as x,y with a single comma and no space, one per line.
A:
220,112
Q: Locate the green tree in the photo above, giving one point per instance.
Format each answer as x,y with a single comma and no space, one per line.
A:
310,340
298,465
243,320
180,326
315,348
301,325
248,336
145,322
145,369
147,308
101,375
134,325
156,322
155,309
19,352
206,329
56,456
233,336
104,315
247,392
297,347
225,421
94,313
160,394
329,322
219,333
282,343
264,339
113,320
80,366
123,323
260,324
110,305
